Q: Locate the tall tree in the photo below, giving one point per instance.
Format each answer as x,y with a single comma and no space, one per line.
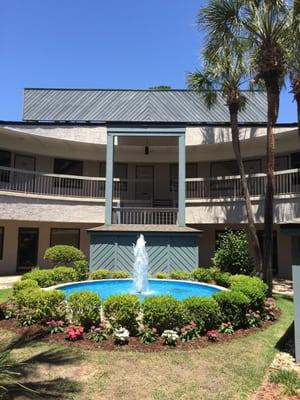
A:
226,72
264,26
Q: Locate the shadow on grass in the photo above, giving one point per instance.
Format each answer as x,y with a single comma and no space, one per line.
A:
16,377
287,342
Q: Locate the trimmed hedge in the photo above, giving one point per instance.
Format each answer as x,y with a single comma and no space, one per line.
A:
64,274
120,274
101,274
161,275
212,275
163,312
21,285
44,277
122,311
202,275
234,306
63,255
82,269
85,308
205,311
180,275
254,288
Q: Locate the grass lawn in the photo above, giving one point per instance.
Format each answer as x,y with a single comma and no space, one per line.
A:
4,294
231,370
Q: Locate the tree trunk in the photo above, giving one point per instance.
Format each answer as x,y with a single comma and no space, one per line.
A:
254,243
273,92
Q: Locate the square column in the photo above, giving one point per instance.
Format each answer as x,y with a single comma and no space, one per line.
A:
181,180
109,183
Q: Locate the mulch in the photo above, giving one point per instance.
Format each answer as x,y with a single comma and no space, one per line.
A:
39,332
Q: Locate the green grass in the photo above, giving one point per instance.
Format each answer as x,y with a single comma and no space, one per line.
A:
232,370
288,379
4,294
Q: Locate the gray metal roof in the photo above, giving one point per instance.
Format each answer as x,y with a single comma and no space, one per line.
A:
134,106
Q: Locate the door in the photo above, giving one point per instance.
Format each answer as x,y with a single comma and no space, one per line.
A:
144,184
27,248
23,181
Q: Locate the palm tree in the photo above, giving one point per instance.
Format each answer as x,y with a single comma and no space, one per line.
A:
226,73
264,27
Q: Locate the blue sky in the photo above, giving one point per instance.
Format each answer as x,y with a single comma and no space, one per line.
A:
98,44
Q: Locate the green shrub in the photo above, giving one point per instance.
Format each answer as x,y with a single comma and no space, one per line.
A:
120,274
254,288
205,311
233,254
202,274
222,278
289,379
163,312
85,308
45,304
63,255
101,274
122,311
82,269
180,275
234,306
161,275
64,274
44,277
20,285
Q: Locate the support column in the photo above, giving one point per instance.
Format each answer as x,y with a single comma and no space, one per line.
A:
296,284
109,179
181,180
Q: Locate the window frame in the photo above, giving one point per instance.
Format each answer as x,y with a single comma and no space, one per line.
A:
65,229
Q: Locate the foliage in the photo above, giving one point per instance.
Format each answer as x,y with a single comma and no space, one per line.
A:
74,333
122,310
45,304
170,337
163,312
233,253
254,288
20,285
271,310
101,274
64,274
63,255
82,269
202,275
289,379
189,331
234,305
212,335
55,326
221,278
205,311
97,333
121,336
211,275
161,275
119,274
226,327
26,317
85,308
148,335
180,275
253,318
44,277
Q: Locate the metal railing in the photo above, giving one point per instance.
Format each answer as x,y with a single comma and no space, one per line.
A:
286,182
145,216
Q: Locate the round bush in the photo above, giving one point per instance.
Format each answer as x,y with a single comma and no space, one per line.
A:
20,285
163,312
180,275
64,274
82,269
254,288
85,308
205,311
101,274
233,305
44,277
233,254
120,274
63,255
161,275
222,278
202,275
122,311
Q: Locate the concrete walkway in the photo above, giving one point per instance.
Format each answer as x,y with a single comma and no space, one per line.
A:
8,281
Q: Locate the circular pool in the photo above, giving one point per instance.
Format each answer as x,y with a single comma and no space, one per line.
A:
107,287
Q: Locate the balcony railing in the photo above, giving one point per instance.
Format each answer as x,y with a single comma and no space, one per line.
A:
286,182
145,216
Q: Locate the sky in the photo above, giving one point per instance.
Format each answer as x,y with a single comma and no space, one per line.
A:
132,44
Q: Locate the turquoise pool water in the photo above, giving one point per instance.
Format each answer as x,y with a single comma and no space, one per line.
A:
106,287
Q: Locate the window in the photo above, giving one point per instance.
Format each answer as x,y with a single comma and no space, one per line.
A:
67,236
1,242
120,172
191,171
281,163
68,167
230,168
295,160
5,157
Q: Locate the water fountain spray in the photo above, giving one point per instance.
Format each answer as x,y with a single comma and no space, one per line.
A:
140,267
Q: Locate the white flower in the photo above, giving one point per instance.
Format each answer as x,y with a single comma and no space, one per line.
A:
121,334
173,335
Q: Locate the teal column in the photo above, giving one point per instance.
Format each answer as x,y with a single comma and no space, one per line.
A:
296,284
109,179
181,180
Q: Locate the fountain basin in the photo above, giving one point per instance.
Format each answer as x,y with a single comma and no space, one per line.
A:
107,287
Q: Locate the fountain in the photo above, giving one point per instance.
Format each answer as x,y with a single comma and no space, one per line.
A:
140,267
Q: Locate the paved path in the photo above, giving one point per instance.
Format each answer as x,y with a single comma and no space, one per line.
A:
8,281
